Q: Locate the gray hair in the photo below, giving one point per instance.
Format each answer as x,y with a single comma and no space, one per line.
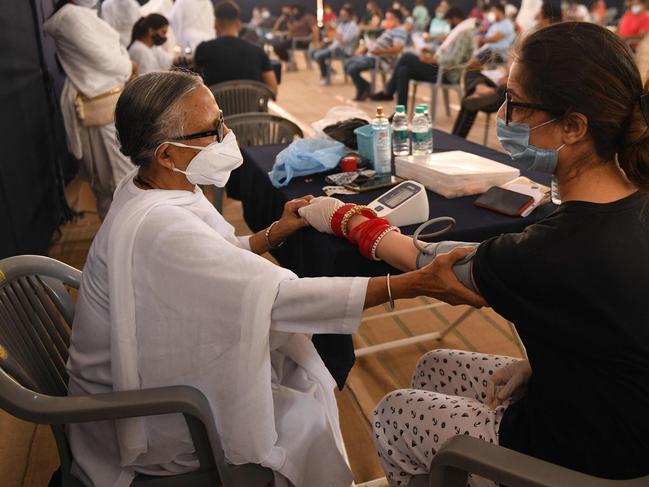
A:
147,112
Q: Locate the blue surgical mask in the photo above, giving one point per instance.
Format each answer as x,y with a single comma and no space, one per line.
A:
515,139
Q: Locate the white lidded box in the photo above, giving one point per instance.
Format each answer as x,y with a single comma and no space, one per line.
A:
454,173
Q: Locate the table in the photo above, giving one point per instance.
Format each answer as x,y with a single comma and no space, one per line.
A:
311,254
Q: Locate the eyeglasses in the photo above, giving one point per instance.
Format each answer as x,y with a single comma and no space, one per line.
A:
510,105
218,131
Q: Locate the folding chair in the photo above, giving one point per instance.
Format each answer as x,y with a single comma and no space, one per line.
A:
342,59
295,41
439,84
382,65
36,314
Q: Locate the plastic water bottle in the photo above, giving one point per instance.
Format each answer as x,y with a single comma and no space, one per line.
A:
422,143
381,143
400,133
554,191
430,120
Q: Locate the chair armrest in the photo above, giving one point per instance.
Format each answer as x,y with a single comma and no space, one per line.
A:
464,454
189,401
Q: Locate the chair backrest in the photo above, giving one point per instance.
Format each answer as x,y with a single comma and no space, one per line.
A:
242,96
263,129
36,313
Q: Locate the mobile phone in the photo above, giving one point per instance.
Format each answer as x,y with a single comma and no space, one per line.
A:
371,184
504,201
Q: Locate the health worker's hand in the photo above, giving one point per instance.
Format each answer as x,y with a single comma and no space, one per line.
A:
291,220
320,211
438,280
510,382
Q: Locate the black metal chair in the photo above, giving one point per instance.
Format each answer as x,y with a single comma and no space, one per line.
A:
36,314
242,96
262,129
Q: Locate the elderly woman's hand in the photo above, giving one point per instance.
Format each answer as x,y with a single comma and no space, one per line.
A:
291,220
320,211
438,280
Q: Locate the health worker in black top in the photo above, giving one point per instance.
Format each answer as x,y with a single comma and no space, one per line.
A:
576,285
229,58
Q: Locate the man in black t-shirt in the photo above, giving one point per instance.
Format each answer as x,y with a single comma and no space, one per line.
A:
229,58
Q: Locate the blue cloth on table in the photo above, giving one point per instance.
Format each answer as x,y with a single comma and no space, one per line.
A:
304,157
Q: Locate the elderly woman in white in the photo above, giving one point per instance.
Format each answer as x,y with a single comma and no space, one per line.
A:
170,295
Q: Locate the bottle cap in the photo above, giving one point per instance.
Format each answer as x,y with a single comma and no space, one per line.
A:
420,109
379,112
400,109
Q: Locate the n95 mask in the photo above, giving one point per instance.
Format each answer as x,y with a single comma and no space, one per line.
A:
214,163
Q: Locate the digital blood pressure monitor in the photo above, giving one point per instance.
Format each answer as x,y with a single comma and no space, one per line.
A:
405,204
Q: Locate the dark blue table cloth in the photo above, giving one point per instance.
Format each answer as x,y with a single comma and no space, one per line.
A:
311,254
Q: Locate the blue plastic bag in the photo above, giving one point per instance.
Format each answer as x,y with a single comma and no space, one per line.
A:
304,157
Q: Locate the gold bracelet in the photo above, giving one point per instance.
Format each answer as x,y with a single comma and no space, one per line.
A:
267,235
387,279
351,213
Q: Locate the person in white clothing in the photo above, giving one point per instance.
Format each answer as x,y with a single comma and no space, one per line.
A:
95,63
121,15
149,35
169,295
192,22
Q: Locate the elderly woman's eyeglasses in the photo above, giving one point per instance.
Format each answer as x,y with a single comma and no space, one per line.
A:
510,105
218,132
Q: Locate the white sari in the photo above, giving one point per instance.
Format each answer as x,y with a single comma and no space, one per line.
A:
95,62
170,296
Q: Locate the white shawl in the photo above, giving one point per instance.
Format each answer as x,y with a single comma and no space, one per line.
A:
241,394
192,22
92,57
121,15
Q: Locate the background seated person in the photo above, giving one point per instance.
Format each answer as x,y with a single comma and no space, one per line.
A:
455,50
229,58
372,18
421,15
342,45
388,44
495,45
280,28
634,25
575,11
149,34
484,94
300,24
575,284
169,295
439,26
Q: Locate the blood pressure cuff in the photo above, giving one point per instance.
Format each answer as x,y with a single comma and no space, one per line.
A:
463,269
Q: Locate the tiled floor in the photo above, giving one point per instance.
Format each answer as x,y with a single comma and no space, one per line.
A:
28,455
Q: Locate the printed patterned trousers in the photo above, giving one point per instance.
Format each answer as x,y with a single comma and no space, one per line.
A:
449,390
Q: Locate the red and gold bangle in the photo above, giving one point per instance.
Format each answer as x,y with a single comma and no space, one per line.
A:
376,243
362,210
337,218
361,227
367,239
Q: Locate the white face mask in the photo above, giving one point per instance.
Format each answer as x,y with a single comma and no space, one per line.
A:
214,163
491,17
636,9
